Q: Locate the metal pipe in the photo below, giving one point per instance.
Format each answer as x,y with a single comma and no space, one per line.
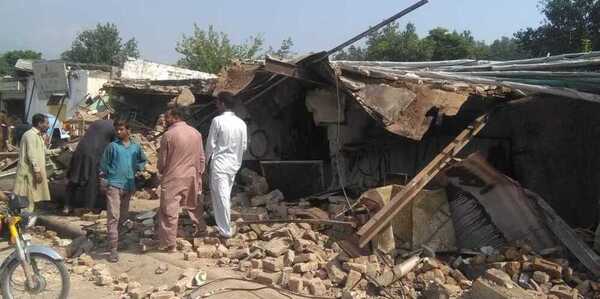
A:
30,99
378,26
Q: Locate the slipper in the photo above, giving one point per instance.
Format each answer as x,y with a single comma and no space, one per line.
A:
113,257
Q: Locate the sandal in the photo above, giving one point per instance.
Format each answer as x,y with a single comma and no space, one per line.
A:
114,256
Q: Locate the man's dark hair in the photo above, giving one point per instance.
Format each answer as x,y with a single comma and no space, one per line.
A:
37,119
227,99
178,112
121,123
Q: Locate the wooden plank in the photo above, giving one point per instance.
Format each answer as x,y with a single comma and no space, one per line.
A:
383,218
568,237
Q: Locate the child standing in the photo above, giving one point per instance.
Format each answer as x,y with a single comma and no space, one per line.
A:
122,159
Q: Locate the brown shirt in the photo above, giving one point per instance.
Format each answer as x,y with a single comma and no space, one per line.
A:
181,161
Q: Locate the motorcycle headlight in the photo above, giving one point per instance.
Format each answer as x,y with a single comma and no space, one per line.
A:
28,220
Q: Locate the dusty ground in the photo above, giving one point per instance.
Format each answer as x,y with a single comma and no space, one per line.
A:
141,267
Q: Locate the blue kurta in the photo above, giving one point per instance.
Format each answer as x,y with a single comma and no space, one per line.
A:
120,163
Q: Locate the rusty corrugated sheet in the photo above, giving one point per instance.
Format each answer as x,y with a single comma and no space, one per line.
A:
510,209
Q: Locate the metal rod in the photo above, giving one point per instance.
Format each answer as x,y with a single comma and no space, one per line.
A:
30,99
378,26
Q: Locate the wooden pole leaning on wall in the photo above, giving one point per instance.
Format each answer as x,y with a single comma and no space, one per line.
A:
384,217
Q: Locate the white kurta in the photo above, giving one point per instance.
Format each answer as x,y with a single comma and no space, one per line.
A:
225,148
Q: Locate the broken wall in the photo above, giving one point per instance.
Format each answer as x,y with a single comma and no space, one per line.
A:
82,83
555,153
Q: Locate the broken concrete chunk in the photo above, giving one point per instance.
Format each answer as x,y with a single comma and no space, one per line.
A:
295,284
277,247
499,277
352,279
272,264
485,289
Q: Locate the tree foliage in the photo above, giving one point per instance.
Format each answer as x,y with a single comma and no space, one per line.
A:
8,59
394,44
569,26
285,50
210,51
102,45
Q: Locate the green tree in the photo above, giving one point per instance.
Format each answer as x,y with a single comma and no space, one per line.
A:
285,50
102,45
8,59
395,45
567,24
210,51
451,45
506,48
352,53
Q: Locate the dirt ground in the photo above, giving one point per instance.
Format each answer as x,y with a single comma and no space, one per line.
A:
141,267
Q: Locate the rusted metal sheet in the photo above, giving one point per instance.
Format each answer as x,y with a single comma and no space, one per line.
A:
383,218
403,110
236,77
504,201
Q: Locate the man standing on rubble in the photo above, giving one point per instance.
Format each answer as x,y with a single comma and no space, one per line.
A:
121,160
31,180
181,165
225,148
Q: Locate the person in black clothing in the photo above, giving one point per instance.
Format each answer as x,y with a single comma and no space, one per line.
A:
83,181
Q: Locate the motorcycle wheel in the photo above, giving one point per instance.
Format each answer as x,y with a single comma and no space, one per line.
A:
53,279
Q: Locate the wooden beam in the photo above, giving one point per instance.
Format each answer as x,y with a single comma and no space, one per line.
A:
384,217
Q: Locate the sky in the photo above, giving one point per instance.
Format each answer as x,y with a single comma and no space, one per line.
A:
49,26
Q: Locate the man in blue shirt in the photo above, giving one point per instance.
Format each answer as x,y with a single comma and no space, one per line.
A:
121,161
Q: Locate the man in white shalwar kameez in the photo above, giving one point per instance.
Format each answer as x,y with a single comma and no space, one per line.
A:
227,141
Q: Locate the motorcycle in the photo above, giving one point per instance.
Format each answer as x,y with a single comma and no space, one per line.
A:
30,270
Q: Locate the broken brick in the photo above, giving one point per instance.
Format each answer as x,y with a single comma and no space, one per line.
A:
206,251
553,269
306,257
268,278
316,287
272,264
499,277
306,267
352,279
276,247
295,284
288,258
360,268
541,277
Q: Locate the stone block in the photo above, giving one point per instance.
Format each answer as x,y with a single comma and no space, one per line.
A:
288,258
268,278
306,267
541,277
295,284
277,247
360,268
498,277
305,258
553,269
316,287
489,290
352,279
335,272
206,251
272,264
564,292
239,253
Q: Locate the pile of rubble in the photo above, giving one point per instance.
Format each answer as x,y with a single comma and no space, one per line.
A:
285,245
